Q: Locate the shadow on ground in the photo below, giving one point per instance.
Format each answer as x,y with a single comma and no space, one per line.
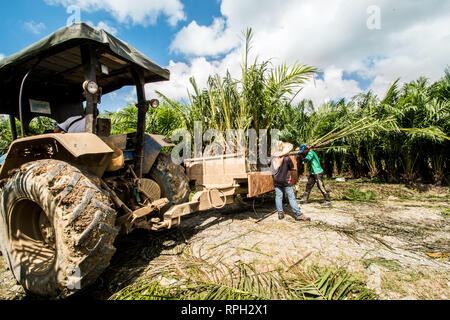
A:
137,250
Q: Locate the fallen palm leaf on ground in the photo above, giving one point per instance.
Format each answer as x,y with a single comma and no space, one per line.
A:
438,255
195,279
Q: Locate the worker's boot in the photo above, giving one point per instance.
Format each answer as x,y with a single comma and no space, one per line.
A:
305,198
302,218
327,201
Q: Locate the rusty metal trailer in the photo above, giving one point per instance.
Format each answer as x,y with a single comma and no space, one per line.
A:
218,180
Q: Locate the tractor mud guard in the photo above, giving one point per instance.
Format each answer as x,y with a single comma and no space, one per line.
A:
153,145
83,150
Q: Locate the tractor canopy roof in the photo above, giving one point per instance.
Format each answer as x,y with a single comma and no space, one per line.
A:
58,71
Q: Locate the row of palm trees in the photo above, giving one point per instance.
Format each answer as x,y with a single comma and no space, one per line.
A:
403,136
412,144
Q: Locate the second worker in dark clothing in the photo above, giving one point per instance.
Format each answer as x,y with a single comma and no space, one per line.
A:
316,175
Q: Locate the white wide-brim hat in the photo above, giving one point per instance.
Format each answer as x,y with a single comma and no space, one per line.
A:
283,148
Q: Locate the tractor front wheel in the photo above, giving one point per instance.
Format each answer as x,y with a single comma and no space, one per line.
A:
56,228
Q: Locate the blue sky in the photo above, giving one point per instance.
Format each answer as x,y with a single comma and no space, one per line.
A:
153,40
358,44
23,22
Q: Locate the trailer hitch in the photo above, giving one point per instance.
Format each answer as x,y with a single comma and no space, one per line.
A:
138,219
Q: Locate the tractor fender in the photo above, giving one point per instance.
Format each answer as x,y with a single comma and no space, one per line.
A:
153,145
83,150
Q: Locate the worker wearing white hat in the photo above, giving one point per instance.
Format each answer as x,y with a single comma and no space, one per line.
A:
281,167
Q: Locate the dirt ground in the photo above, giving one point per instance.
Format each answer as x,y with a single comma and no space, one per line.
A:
398,243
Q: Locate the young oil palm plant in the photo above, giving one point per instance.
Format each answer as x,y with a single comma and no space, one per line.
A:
5,135
250,102
420,122
164,120
266,89
123,120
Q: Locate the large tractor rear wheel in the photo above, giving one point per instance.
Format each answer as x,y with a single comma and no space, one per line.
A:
171,178
56,228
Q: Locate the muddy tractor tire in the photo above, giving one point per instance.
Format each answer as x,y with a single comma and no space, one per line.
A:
171,178
56,228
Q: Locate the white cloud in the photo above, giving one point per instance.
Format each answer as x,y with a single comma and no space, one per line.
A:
330,34
181,72
198,67
34,27
105,26
218,38
331,87
142,12
2,56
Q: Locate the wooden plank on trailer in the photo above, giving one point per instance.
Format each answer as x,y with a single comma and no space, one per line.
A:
222,169
259,183
262,182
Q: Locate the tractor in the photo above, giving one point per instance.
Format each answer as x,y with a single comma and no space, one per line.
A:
64,198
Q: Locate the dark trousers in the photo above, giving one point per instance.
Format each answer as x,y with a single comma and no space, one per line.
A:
312,181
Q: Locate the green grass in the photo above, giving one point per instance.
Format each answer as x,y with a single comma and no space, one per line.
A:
388,264
356,194
415,284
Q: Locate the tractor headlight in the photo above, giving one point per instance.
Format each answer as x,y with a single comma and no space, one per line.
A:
154,103
90,87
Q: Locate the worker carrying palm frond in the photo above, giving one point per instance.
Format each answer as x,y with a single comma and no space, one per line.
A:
311,157
281,166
